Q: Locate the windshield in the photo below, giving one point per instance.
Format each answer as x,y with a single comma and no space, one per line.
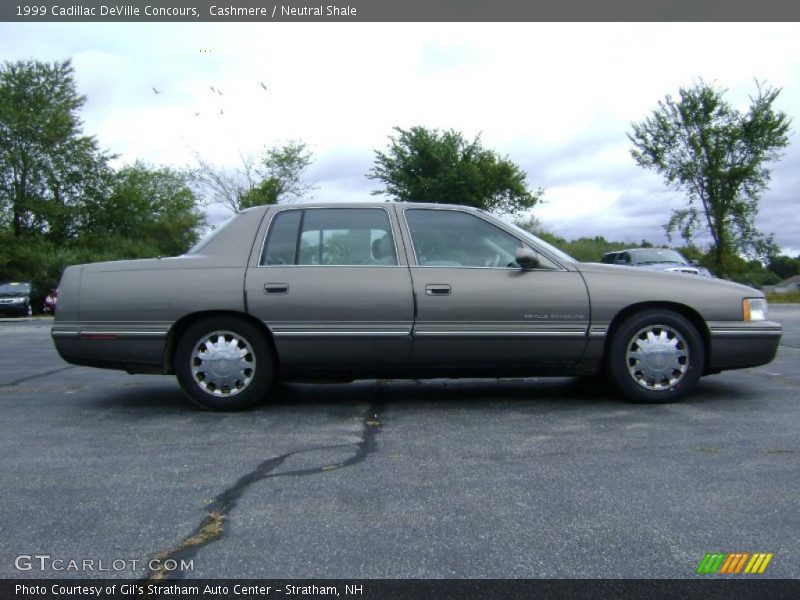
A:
210,235
15,288
527,235
651,256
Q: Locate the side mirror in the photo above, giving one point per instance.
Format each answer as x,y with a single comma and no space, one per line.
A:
526,258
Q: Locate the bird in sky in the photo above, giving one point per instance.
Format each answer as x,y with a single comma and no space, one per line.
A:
263,86
156,91
220,112
212,88
196,114
219,92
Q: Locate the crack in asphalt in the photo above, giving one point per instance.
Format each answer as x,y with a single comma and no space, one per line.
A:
30,377
211,528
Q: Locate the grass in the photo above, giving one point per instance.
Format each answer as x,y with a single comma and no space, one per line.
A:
788,298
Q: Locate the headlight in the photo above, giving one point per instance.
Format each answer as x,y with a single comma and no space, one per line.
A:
18,300
754,309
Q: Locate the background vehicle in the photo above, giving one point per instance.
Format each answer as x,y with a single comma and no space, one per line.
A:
49,305
655,259
369,290
15,299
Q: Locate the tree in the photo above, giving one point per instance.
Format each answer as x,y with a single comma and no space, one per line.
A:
149,212
276,177
442,166
46,165
785,266
225,186
282,169
718,156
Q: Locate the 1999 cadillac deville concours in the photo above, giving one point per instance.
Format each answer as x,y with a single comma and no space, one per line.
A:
373,290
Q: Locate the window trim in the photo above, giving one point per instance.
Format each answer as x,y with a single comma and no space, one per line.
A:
299,229
524,243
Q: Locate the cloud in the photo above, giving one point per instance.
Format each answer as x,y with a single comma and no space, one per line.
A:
557,98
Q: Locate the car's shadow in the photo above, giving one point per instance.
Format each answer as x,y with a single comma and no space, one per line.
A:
165,397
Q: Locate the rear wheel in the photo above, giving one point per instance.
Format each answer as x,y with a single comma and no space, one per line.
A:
224,363
655,356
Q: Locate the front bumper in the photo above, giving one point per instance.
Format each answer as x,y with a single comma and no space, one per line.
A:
14,310
742,344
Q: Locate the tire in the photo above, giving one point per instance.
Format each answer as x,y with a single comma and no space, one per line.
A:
239,352
655,356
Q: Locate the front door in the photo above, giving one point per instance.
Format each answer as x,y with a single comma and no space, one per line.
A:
477,308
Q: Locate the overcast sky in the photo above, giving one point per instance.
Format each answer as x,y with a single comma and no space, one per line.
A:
558,99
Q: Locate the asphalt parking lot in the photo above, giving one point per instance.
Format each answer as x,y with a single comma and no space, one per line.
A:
391,479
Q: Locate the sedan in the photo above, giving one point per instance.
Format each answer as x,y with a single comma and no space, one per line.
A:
655,259
403,290
15,299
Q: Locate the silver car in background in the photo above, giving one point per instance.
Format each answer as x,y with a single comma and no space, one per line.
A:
374,290
655,259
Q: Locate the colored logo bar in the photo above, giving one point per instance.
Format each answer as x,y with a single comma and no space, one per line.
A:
734,563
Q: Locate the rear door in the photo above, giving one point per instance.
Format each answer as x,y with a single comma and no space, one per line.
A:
334,289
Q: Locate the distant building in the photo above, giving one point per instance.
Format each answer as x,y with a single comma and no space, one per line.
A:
792,284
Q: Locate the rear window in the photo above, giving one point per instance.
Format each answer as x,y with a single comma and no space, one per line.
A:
206,239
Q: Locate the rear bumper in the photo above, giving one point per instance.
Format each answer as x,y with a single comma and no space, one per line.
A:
125,350
742,344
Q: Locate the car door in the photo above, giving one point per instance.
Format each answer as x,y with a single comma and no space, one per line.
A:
477,308
333,289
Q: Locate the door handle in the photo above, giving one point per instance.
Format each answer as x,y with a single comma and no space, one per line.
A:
276,288
437,289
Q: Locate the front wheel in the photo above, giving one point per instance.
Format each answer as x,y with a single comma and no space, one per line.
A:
224,363
655,356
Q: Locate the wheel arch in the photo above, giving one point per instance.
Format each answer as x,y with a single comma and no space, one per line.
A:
688,312
181,325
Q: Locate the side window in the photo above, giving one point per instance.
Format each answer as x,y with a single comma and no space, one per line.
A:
449,238
331,236
281,246
623,258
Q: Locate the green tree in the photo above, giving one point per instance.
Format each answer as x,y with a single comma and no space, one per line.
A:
281,171
442,166
149,212
718,156
785,266
276,177
46,165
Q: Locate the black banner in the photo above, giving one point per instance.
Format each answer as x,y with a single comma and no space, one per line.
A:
382,589
397,10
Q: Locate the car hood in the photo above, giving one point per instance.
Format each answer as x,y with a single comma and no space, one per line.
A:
676,268
674,278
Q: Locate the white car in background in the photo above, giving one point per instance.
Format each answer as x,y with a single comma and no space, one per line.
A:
655,259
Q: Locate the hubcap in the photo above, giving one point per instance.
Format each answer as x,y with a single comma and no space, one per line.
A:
223,363
657,357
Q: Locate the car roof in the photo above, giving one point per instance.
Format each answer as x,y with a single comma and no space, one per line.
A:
638,249
371,204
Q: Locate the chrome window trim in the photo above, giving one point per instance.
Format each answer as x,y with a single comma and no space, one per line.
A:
280,210
454,208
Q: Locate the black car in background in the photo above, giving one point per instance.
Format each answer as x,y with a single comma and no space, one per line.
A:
15,299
